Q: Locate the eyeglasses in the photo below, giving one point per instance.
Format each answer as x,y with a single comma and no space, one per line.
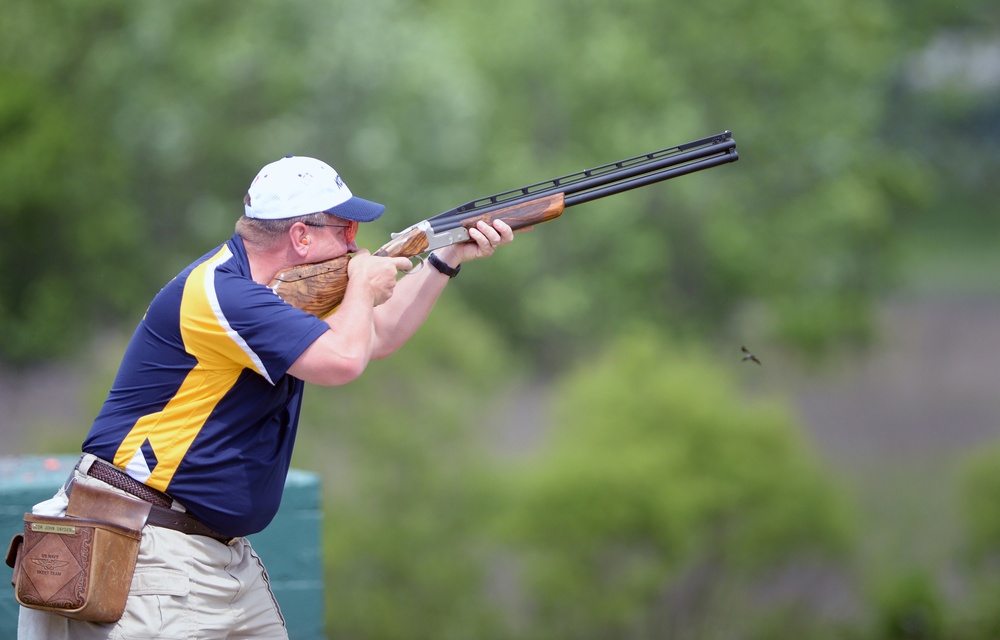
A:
350,229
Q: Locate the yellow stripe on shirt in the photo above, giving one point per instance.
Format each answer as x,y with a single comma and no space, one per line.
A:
221,356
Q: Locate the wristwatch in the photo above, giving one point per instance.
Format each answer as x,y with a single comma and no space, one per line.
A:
443,266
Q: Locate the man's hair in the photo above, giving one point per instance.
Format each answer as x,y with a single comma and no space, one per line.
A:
264,233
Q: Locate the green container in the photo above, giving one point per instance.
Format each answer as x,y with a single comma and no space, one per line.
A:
290,547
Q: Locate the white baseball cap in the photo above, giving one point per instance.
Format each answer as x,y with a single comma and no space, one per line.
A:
297,186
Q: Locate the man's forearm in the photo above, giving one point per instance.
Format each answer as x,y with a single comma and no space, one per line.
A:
398,319
340,355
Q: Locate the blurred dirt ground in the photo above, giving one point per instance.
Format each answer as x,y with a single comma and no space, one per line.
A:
899,422
929,384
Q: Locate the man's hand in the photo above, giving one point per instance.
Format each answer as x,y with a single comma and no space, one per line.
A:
378,274
484,239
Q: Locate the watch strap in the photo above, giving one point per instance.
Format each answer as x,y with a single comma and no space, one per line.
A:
443,266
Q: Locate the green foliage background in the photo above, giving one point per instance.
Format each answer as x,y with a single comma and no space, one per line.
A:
658,503
424,105
656,472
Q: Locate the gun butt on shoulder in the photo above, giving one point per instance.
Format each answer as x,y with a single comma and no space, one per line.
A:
317,288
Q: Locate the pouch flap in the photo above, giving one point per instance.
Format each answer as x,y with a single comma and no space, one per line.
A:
87,501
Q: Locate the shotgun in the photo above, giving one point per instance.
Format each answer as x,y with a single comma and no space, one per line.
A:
319,287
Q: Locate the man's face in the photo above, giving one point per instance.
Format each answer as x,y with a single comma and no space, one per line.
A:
334,238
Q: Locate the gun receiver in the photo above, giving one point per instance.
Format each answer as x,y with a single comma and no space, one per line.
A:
318,288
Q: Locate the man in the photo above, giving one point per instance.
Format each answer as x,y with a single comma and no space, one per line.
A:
202,416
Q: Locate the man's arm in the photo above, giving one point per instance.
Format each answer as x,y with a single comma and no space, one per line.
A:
399,318
378,314
341,354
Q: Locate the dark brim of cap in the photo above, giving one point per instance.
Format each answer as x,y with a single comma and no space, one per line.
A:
357,209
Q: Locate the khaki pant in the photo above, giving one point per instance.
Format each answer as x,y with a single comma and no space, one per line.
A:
184,587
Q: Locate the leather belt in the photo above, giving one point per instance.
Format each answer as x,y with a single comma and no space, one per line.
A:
161,515
183,522
120,480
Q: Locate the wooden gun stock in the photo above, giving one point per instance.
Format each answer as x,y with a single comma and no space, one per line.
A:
317,288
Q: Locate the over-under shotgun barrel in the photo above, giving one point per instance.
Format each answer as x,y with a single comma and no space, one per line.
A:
606,180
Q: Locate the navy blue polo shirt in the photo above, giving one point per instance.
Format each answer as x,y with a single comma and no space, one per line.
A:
202,408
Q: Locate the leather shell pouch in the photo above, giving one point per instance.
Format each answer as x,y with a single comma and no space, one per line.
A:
80,566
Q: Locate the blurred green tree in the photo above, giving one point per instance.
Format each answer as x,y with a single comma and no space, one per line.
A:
976,616
69,242
946,102
909,607
662,499
980,497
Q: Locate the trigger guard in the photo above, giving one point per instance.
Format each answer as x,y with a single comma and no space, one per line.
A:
417,266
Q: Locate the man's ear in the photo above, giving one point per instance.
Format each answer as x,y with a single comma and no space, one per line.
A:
298,235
